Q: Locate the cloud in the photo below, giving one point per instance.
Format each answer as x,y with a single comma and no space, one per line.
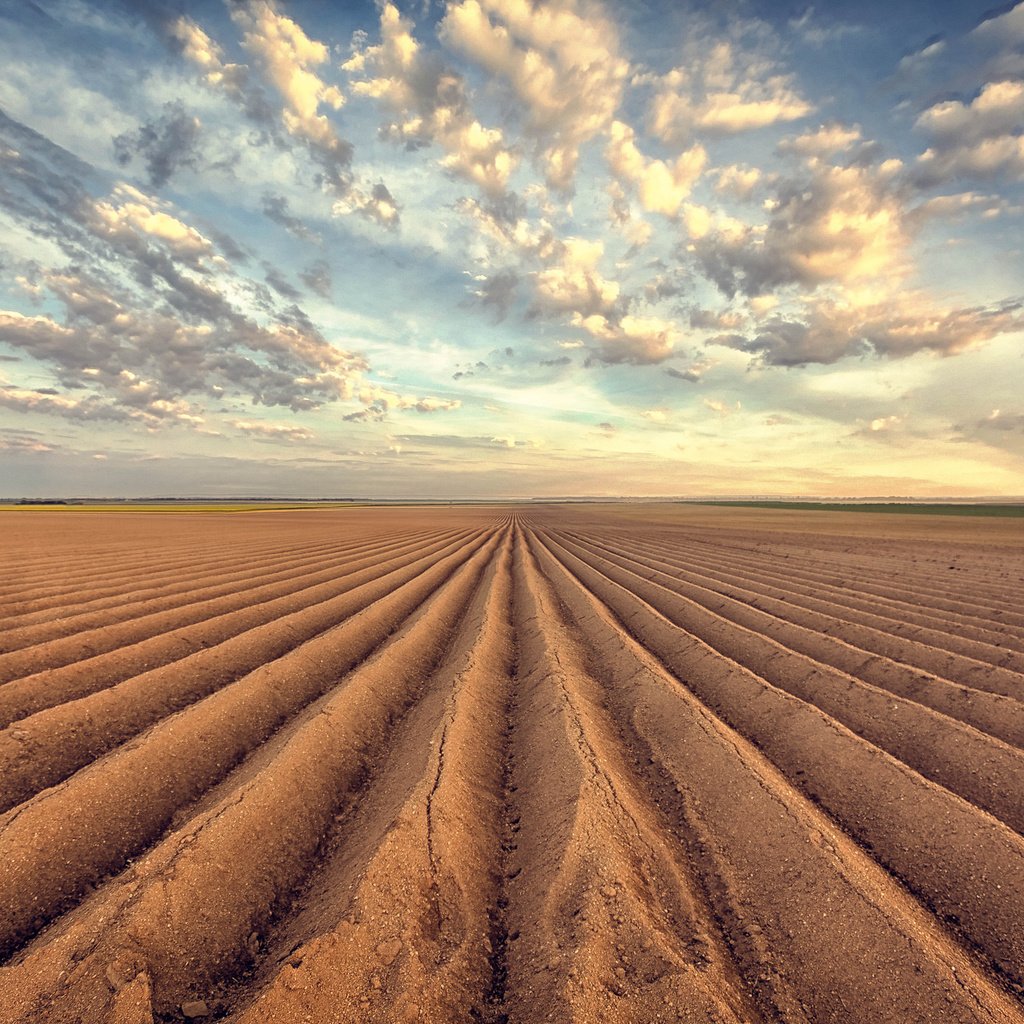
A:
834,224
430,104
1006,26
630,339
498,291
276,208
139,401
737,181
693,373
901,326
233,80
980,139
458,441
29,443
165,144
827,140
288,56
317,277
24,400
661,187
573,283
560,62
722,91
720,408
133,213
913,61
153,316
280,283
815,31
261,429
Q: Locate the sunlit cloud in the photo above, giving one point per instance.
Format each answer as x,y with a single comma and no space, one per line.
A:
581,240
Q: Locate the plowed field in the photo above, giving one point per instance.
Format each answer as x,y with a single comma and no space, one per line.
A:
619,764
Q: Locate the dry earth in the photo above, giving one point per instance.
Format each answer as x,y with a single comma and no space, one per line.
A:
495,764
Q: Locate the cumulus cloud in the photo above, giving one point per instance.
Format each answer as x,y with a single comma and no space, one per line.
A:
980,139
288,60
836,224
661,187
561,62
827,140
737,181
165,144
573,283
261,429
721,90
197,47
630,339
693,373
378,204
498,291
131,400
232,80
1005,26
154,319
275,207
898,327
317,277
720,408
429,103
133,213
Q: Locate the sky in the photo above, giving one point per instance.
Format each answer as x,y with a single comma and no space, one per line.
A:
511,248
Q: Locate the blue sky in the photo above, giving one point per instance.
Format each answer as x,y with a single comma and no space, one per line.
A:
499,248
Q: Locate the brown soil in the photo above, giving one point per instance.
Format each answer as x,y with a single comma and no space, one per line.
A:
570,764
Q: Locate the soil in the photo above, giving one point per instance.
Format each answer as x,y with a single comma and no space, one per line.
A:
620,763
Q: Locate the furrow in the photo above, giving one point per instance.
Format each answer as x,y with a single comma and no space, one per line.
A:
969,871
875,580
53,686
957,636
43,748
243,573
773,569
396,923
116,633
605,920
819,931
43,591
823,638
122,802
980,768
905,588
182,918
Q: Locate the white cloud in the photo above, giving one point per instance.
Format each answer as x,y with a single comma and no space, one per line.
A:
201,50
288,55
561,62
430,104
630,339
722,91
573,282
737,181
827,140
273,431
898,325
133,212
978,139
661,187
837,224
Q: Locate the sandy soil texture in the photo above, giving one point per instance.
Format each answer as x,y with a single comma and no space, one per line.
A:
511,764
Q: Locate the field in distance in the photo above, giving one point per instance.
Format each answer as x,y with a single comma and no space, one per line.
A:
525,763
